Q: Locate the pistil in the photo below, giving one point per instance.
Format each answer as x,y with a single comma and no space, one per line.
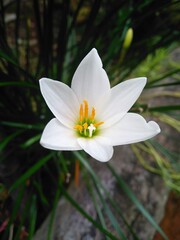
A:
91,129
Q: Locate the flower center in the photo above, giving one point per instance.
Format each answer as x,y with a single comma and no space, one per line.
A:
87,126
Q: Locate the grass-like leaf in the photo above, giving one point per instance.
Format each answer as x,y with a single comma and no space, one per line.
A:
33,217
31,171
100,188
164,108
136,202
87,216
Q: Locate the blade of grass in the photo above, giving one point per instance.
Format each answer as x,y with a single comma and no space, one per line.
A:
38,187
8,139
16,205
95,201
22,125
165,167
164,108
53,212
33,217
31,171
99,187
174,123
22,217
10,59
163,77
173,157
116,207
30,141
110,214
136,202
164,85
19,84
142,161
87,216
6,57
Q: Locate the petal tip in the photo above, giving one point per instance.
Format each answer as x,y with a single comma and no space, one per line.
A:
142,80
94,50
154,127
44,80
94,53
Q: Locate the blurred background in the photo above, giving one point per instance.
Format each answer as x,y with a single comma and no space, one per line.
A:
49,38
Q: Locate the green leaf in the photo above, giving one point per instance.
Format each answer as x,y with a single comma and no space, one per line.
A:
22,125
164,108
7,57
99,187
163,77
87,216
8,139
30,141
164,84
136,202
19,84
31,171
53,212
93,194
33,217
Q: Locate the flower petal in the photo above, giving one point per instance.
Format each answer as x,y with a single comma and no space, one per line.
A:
61,100
90,80
120,99
58,137
130,129
97,147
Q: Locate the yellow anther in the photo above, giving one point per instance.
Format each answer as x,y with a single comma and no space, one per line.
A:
85,109
78,127
93,113
98,124
85,125
81,113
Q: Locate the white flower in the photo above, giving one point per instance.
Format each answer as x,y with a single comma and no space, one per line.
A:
92,116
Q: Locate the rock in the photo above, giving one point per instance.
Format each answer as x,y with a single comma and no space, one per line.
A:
71,225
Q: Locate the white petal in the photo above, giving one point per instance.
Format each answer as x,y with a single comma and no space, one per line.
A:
121,98
58,137
90,81
61,100
130,129
97,147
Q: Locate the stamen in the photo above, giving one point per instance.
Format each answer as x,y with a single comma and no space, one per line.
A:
81,113
93,113
79,127
98,124
85,109
85,125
